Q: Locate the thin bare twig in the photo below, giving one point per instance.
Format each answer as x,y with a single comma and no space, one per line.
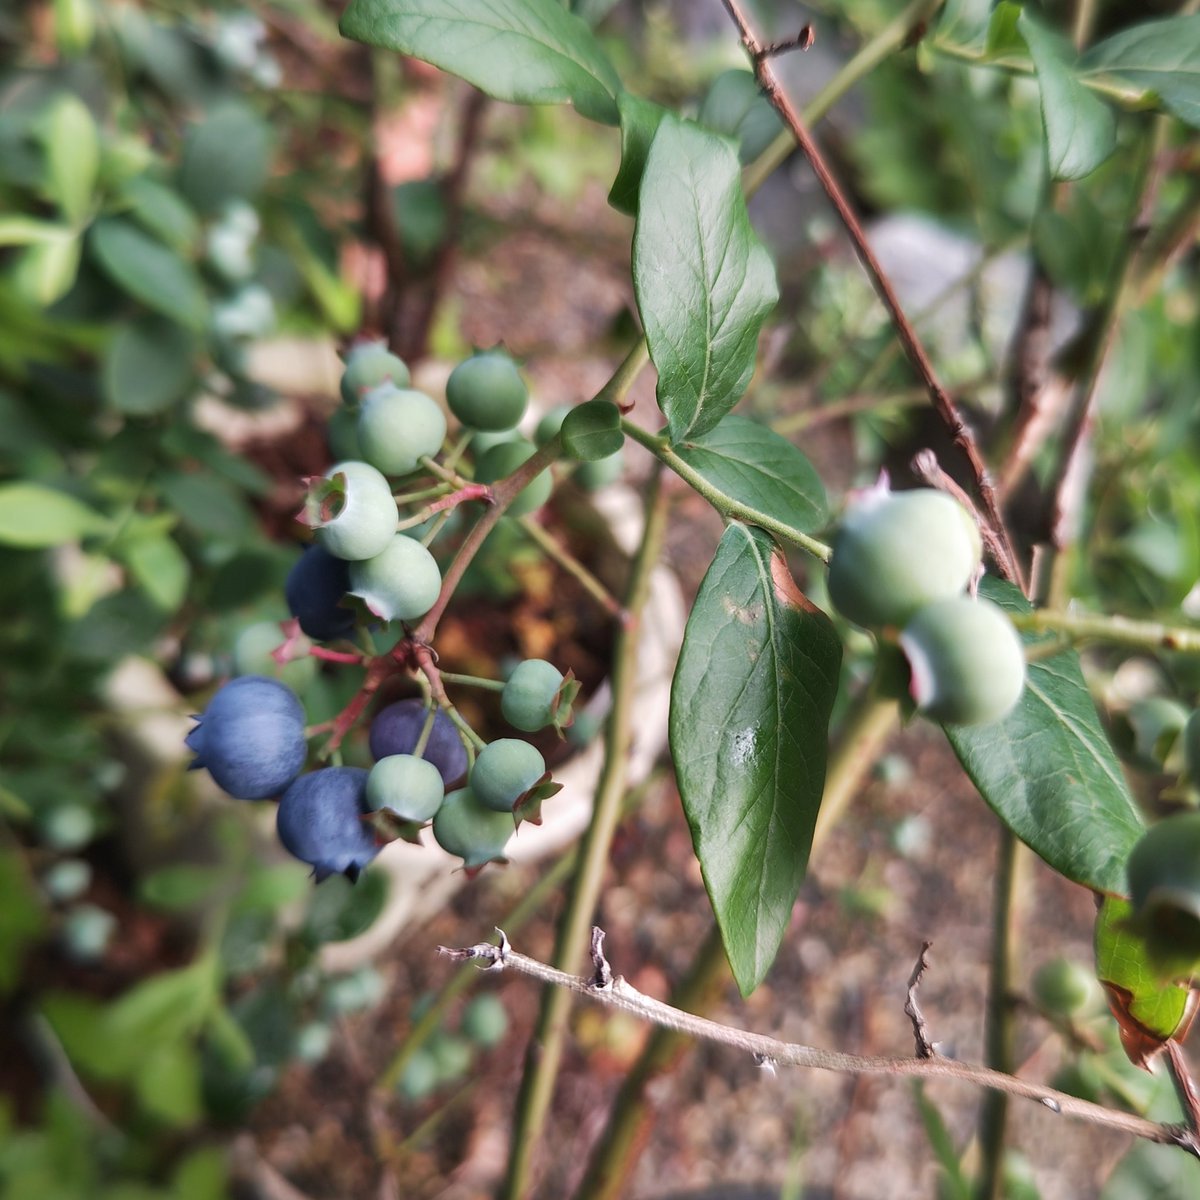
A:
618,993
943,403
912,1010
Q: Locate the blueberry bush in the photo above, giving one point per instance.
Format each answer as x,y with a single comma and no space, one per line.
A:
1002,548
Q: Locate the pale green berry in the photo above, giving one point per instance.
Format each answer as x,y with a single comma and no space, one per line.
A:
400,583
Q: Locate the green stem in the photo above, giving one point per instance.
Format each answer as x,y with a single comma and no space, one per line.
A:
573,567
727,506
494,685
1000,1024
617,388
887,41
546,1042
864,732
1120,631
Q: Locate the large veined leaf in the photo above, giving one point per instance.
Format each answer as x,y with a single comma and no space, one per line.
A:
1049,772
750,708
1080,129
639,123
704,281
523,51
1162,56
754,465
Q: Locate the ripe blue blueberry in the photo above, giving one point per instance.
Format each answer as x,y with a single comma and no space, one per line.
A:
397,728
314,590
251,737
320,822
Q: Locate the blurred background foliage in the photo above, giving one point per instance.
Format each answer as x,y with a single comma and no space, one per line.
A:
183,184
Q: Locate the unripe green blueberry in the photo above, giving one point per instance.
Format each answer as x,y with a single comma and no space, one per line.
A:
504,771
485,1020
1164,889
465,828
87,931
420,1076
501,461
895,552
483,441
486,391
252,656
368,364
313,1041
453,1056
341,433
399,426
528,700
592,476
966,660
400,583
407,786
1066,988
67,880
352,511
550,424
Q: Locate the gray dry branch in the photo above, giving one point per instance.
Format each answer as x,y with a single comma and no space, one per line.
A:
613,990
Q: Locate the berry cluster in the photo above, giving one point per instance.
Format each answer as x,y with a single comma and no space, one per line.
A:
363,568
901,564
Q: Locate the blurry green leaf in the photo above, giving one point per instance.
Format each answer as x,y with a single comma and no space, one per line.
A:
207,504
270,888
964,22
32,515
704,282
1148,1011
341,910
180,888
592,430
1149,1172
750,708
1049,772
736,106
166,1006
230,1038
168,1084
126,622
26,231
78,1022
1002,35
161,211
72,156
639,123
1080,129
160,568
202,1175
1162,56
149,271
23,918
46,271
226,157
754,465
523,51
149,365
955,1184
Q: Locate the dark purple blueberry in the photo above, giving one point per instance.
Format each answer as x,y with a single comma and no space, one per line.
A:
251,737
314,590
395,730
320,822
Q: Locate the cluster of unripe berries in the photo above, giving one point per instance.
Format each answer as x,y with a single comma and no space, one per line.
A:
252,736
901,566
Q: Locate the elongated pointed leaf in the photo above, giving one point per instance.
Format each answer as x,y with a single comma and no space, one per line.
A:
755,466
639,123
523,51
750,708
1162,56
1080,128
33,516
1049,772
704,282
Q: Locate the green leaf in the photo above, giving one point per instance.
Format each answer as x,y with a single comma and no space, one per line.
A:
32,515
207,505
148,367
168,1084
964,22
704,282
523,51
180,888
23,917
28,231
72,156
1002,35
1080,128
1049,772
148,271
225,157
639,123
1148,1011
954,1181
754,465
592,431
750,708
1161,56
47,271
161,210
165,1007
160,568
1150,1172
